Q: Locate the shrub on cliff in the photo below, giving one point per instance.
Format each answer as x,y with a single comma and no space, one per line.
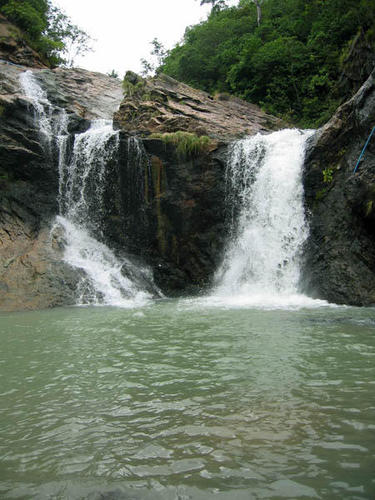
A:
47,29
186,143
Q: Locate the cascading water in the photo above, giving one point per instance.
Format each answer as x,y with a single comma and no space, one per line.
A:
261,265
106,279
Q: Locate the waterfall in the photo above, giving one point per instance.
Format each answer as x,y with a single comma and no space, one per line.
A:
261,264
106,279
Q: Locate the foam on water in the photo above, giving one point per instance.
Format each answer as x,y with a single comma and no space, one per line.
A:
104,281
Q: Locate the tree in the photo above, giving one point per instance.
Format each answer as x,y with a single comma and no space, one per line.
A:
216,4
259,11
158,53
285,55
29,15
72,39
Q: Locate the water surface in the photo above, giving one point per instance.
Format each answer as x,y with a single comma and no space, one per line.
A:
177,400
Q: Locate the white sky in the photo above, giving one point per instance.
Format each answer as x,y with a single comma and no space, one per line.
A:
123,29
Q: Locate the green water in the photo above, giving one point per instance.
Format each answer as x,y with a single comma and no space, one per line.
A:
177,401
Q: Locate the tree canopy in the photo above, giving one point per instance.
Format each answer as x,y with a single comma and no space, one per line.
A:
289,61
47,29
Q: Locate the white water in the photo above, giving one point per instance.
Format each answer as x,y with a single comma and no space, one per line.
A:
104,282
261,265
82,180
81,184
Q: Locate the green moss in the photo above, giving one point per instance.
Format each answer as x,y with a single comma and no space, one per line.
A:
328,175
320,194
186,143
2,109
369,207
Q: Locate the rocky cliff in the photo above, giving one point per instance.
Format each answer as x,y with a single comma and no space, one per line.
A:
164,193
340,254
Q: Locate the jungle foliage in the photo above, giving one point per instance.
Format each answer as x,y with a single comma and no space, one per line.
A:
47,29
290,64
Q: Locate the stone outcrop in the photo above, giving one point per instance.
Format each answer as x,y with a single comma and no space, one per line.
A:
162,104
340,254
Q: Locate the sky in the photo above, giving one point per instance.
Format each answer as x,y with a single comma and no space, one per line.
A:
123,29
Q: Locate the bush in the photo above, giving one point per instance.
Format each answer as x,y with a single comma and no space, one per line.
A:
186,143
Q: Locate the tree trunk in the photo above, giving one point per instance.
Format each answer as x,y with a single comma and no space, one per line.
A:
259,11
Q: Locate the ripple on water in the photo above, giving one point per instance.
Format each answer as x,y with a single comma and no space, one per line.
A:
239,403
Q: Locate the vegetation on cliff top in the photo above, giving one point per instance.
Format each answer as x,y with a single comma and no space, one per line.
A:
186,143
47,29
290,63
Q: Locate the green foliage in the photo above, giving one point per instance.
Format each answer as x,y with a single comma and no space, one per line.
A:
29,15
186,143
290,64
47,29
133,89
68,41
158,54
328,175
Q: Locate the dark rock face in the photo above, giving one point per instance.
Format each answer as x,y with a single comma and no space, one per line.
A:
170,211
340,256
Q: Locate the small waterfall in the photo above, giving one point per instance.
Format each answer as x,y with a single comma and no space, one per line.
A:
261,265
106,278
82,180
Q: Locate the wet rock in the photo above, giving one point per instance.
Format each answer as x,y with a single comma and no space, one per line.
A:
169,210
171,206
340,255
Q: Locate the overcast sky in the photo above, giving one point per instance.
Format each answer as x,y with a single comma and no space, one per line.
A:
123,29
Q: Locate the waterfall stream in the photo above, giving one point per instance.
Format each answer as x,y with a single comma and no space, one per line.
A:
261,264
106,279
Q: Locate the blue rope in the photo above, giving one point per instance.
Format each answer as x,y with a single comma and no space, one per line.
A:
364,149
